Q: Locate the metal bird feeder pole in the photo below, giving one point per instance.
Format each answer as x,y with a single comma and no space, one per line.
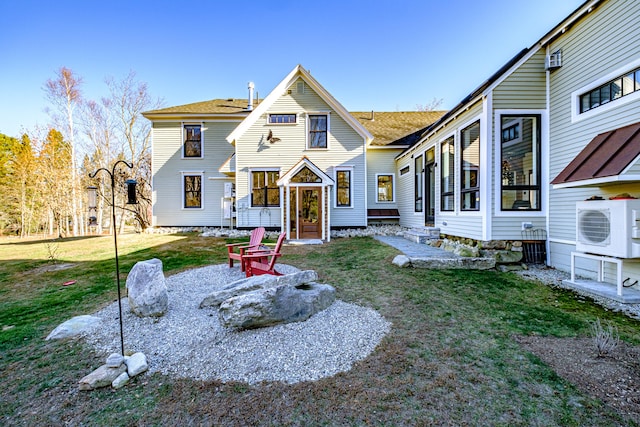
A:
130,185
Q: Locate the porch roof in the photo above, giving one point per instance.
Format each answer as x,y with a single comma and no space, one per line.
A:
604,159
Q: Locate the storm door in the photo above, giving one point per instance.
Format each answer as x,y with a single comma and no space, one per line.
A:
309,223
430,187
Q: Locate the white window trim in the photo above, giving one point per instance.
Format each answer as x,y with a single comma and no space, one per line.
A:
458,162
438,145
335,179
576,116
277,113
251,171
393,187
317,113
183,124
182,192
497,178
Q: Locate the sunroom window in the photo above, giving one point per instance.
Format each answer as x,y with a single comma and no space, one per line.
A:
447,177
520,164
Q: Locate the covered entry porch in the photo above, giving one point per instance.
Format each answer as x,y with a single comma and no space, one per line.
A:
306,201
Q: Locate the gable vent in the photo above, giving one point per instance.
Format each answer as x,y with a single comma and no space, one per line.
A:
554,61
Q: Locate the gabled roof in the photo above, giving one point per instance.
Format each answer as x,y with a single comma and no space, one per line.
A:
305,162
231,106
299,72
606,157
399,128
587,7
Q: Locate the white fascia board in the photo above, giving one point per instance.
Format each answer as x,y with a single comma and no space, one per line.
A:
597,182
281,88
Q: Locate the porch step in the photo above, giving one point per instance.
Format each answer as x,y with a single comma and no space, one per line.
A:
422,235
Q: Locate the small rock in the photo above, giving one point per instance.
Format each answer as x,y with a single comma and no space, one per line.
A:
402,261
136,364
101,377
114,360
120,382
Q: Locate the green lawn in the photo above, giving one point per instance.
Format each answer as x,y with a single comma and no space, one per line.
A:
450,359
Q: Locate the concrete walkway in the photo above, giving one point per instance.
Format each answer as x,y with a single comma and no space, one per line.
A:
421,255
415,250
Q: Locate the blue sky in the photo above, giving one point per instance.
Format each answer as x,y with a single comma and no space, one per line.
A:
371,55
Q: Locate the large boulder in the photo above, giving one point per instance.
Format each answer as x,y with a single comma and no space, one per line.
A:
74,326
283,303
504,256
147,289
254,283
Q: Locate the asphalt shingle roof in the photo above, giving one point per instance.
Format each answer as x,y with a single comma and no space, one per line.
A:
388,128
398,127
214,106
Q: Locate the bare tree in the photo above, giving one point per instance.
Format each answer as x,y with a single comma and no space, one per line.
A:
432,105
64,93
129,98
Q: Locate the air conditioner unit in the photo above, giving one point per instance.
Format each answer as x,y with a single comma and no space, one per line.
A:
554,60
609,227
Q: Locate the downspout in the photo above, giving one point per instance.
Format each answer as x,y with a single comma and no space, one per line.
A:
545,172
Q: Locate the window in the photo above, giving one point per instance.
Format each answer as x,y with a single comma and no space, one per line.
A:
610,91
520,165
282,118
470,166
318,131
192,186
192,141
385,188
264,190
417,185
510,133
447,177
343,188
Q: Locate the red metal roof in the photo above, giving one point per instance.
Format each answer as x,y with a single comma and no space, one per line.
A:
608,154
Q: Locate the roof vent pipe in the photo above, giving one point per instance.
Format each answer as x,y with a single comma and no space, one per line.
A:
250,105
373,116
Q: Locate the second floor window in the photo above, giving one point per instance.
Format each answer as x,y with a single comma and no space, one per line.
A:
192,141
282,118
264,188
318,131
610,91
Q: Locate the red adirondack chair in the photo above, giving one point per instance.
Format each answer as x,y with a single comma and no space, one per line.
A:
259,262
254,243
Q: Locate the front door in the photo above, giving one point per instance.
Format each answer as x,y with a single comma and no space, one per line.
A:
309,213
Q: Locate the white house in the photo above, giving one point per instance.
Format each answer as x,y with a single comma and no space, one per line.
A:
557,125
296,161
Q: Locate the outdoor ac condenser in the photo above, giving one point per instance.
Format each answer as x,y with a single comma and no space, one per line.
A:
609,227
